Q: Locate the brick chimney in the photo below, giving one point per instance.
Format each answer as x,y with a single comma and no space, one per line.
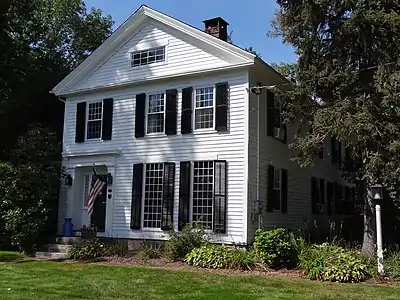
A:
217,27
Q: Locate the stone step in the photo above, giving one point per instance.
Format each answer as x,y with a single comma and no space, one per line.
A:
63,240
58,248
51,255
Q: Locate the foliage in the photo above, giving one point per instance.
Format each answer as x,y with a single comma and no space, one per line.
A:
151,251
181,243
41,42
88,249
220,257
88,232
94,248
347,88
392,264
275,248
288,70
330,262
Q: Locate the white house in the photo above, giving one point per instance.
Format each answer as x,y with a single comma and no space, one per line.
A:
167,111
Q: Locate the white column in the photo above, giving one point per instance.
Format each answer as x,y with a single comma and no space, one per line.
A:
379,239
110,201
71,196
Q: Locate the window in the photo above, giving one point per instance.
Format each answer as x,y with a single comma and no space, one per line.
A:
277,190
278,122
86,188
153,195
94,121
203,187
147,57
317,195
204,108
155,113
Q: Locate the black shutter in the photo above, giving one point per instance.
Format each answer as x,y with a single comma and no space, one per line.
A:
80,126
168,196
270,113
220,193
184,194
333,150
339,154
338,198
136,208
284,133
284,195
171,112
140,115
186,117
322,192
347,198
329,197
107,119
221,115
270,188
314,196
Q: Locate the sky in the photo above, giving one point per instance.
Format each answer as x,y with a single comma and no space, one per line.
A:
249,20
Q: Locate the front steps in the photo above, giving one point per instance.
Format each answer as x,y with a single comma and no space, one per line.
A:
59,250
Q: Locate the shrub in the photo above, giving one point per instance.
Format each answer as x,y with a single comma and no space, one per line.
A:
89,249
220,257
150,251
330,262
275,248
114,250
392,264
181,243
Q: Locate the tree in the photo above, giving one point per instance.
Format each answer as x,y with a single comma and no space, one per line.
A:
289,70
249,49
348,61
42,41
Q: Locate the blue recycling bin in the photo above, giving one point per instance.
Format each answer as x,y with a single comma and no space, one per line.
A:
68,227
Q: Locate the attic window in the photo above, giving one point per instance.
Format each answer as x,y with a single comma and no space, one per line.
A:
147,57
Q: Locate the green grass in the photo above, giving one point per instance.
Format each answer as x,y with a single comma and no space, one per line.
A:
9,256
50,280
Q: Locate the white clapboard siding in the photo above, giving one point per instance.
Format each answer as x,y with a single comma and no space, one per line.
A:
228,146
183,54
273,151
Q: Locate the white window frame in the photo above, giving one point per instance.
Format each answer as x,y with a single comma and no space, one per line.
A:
192,192
199,108
147,112
144,197
87,120
279,171
139,51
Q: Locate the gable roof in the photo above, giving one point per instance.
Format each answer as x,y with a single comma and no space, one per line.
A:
134,21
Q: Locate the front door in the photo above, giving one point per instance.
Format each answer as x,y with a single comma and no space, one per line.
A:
98,217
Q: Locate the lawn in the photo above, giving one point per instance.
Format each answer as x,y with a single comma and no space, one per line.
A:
9,256
52,280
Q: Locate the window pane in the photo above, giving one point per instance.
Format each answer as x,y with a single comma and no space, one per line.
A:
94,130
277,179
204,118
203,193
155,123
149,56
153,196
95,111
277,199
204,97
156,103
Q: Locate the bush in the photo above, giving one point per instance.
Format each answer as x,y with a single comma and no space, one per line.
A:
275,248
89,249
392,264
220,257
329,262
114,250
182,243
150,251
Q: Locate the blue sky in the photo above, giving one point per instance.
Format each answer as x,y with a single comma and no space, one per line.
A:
249,20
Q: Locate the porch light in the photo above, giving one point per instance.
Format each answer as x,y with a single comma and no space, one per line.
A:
68,180
109,179
377,192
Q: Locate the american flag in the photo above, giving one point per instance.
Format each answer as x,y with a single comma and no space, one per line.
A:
98,183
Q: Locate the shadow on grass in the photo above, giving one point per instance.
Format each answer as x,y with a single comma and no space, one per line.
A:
7,256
